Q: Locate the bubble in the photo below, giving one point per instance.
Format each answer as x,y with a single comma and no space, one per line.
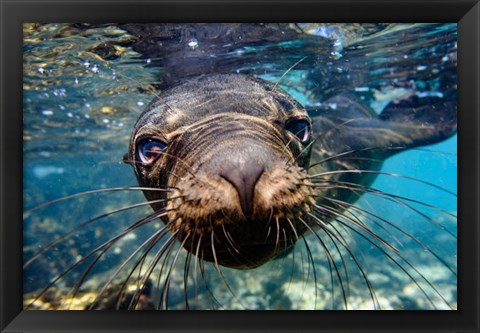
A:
362,89
193,43
44,171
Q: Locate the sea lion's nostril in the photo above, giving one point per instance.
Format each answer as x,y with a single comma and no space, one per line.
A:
244,177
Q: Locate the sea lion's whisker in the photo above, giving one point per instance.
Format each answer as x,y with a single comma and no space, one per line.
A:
138,279
275,138
277,238
357,158
76,195
123,292
433,151
331,262
400,199
169,275
329,234
213,300
324,226
311,143
293,263
212,244
403,259
353,151
362,212
186,270
291,160
151,241
166,257
237,255
401,266
144,278
293,251
183,163
230,240
305,279
195,243
84,224
312,262
360,225
285,239
394,198
391,197
293,229
288,70
220,272
339,234
107,244
84,274
195,267
392,225
79,282
351,158
359,171
269,229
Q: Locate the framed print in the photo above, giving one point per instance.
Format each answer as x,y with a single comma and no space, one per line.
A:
168,158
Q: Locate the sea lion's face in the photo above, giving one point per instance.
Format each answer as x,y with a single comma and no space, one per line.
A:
232,153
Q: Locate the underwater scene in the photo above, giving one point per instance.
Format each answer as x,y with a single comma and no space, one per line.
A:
370,222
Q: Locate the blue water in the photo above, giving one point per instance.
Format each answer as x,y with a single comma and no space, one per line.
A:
79,110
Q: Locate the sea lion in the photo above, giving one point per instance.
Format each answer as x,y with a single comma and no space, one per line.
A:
232,151
233,154
239,172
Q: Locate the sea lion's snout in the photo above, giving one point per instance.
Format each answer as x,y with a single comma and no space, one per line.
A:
244,177
240,162
243,200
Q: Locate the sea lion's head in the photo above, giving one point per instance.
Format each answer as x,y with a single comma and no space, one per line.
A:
232,151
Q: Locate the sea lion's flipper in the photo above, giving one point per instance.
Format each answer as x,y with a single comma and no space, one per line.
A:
346,124
350,136
421,121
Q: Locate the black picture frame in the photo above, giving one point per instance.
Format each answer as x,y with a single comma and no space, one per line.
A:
15,13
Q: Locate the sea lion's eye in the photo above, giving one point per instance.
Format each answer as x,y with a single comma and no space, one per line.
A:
148,150
300,128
